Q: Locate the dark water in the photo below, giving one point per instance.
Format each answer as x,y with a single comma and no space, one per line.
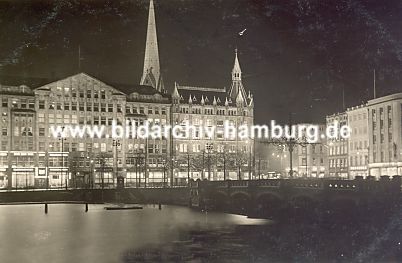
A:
175,234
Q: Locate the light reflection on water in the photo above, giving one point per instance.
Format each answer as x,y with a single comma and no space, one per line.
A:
68,234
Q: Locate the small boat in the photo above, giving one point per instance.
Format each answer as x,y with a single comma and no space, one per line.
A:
131,207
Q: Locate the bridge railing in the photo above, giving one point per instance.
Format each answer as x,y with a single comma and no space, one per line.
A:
309,183
267,183
385,183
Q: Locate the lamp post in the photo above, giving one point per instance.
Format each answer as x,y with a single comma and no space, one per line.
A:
203,165
224,164
62,139
164,172
91,173
249,162
47,169
115,143
368,161
209,149
306,155
188,168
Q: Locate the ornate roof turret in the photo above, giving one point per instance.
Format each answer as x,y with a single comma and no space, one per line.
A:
237,85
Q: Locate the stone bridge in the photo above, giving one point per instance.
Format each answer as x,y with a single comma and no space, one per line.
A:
298,197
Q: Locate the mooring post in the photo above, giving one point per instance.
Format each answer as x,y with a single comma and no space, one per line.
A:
86,207
160,206
46,208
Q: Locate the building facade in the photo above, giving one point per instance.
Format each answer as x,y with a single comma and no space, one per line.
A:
358,141
337,147
215,158
32,156
385,135
312,157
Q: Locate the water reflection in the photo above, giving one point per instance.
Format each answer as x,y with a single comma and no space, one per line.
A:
68,234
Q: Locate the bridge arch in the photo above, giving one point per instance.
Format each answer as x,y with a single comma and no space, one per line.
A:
220,200
303,201
269,204
133,196
343,208
240,202
303,206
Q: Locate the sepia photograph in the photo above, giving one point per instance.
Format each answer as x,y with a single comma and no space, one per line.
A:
200,131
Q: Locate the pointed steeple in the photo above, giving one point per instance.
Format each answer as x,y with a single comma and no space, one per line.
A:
237,91
175,94
236,71
151,72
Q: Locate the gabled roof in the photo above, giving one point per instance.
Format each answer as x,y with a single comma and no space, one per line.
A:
131,88
80,75
32,82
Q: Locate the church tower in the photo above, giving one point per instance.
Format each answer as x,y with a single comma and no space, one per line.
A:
237,92
151,73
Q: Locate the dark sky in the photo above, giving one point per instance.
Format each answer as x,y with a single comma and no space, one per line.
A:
296,56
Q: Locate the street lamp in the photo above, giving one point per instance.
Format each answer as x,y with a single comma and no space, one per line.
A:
62,139
164,172
209,148
115,143
91,174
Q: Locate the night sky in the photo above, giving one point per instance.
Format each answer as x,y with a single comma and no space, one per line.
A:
296,56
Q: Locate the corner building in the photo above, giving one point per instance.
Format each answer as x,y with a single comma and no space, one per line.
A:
217,157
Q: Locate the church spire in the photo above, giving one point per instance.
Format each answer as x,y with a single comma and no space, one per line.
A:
151,73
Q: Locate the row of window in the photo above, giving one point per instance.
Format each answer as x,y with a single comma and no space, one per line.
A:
357,117
314,149
209,148
391,156
334,163
209,111
18,103
381,110
83,106
382,124
358,145
156,148
313,161
358,160
338,150
382,138
81,93
57,161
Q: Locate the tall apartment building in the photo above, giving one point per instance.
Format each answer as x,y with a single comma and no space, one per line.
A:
214,158
385,135
338,148
32,156
358,141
